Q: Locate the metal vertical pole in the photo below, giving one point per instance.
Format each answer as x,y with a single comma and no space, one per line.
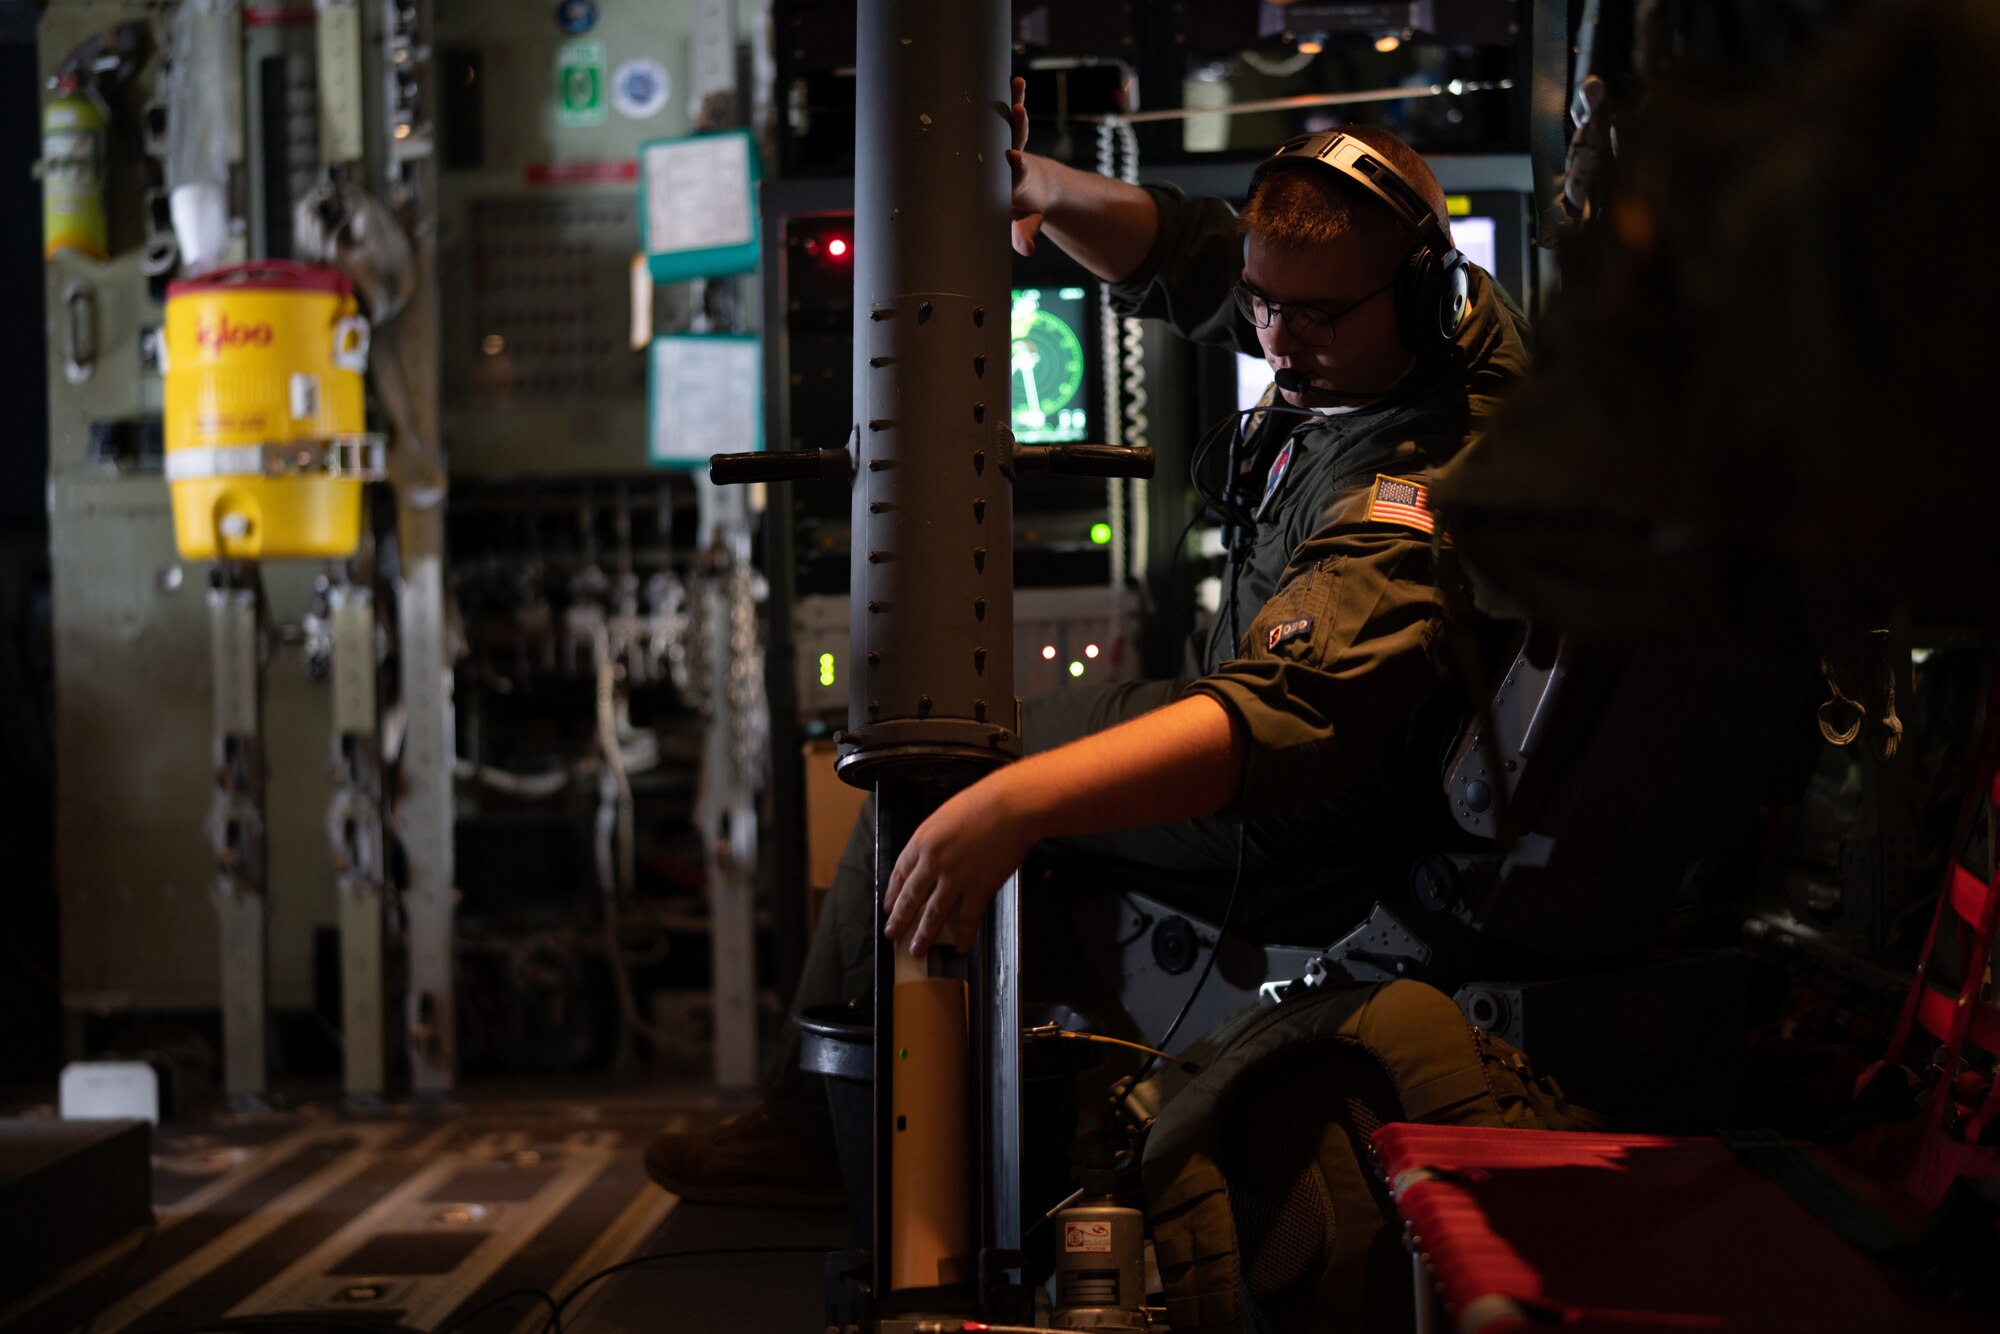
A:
354,833
405,169
729,774
932,697
236,827
727,810
424,815
931,705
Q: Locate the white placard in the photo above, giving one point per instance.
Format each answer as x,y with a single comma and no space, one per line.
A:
697,193
100,1090
705,398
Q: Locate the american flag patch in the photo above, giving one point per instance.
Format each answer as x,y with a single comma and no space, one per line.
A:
1399,501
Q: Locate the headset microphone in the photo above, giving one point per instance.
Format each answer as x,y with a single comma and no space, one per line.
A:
1295,382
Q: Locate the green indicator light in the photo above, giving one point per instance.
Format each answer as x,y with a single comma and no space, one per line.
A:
826,669
1076,669
1100,533
903,1055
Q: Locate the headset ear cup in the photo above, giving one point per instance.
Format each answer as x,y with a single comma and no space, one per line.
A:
1417,297
1433,297
1454,296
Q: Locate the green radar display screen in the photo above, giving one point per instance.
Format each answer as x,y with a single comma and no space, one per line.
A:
1048,365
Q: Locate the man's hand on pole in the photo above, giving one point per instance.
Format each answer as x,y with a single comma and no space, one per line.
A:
1182,760
1027,212
954,864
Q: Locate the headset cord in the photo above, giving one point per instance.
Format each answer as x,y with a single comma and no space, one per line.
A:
1221,933
1236,882
1237,550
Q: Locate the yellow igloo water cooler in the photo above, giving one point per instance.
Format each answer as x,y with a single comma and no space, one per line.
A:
266,440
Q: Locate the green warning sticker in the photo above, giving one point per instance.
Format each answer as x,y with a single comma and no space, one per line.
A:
580,85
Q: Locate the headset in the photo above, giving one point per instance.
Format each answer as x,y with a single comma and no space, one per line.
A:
1434,288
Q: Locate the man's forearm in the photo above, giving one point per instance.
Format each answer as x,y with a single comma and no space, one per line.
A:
1103,224
1174,763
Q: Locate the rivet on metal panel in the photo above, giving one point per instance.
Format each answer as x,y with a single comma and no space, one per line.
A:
978,412
874,605
877,465
979,710
877,557
923,706
979,365
874,658
874,707
877,506
979,609
979,559
878,362
979,661
880,314
979,462
979,317
923,311
879,423
979,511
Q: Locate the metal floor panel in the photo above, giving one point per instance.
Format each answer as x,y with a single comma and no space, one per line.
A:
415,1220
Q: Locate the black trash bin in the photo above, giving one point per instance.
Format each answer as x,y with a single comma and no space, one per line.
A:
838,1041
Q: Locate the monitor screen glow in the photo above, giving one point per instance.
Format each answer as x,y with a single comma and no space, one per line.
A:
1048,365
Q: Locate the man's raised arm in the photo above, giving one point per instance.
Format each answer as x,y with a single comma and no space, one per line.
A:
1103,224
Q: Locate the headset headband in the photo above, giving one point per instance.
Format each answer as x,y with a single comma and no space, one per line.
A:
1356,162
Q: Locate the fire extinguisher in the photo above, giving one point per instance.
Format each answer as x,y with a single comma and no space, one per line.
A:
73,129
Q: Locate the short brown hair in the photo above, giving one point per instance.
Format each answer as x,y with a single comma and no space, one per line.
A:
1309,207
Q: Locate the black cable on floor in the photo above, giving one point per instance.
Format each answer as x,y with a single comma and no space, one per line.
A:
542,1295
554,1323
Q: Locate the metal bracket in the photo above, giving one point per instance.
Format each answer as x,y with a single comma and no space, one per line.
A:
1381,949
361,457
1477,791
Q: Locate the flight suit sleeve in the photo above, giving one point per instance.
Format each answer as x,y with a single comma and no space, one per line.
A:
1187,277
1336,661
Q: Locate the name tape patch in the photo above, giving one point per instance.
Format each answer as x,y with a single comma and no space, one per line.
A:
1284,632
1398,500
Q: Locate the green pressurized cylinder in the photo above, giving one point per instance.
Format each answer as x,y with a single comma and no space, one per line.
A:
73,178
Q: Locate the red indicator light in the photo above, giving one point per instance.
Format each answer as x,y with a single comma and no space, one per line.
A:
837,248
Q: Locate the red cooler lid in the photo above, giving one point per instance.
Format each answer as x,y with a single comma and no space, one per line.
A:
283,275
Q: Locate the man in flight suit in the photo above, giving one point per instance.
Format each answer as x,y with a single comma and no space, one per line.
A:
1314,738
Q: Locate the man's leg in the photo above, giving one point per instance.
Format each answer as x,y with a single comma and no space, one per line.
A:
839,967
781,1152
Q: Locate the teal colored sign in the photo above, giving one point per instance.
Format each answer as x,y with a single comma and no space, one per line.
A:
698,205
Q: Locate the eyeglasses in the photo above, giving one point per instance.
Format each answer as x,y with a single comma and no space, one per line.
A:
1311,325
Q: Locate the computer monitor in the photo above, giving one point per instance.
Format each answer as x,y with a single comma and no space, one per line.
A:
1478,240
1049,365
